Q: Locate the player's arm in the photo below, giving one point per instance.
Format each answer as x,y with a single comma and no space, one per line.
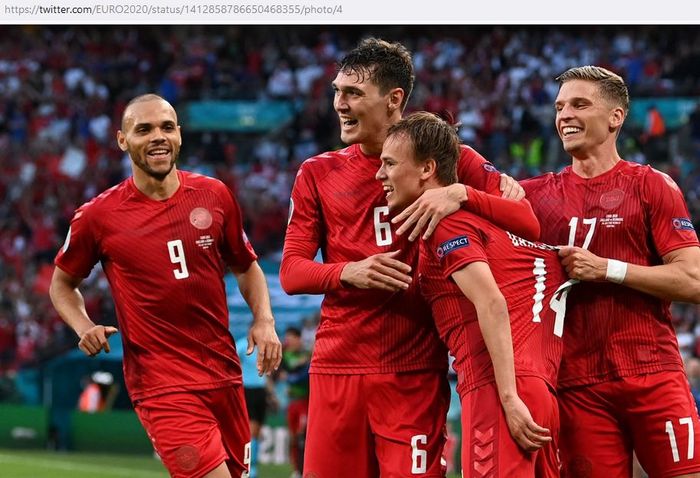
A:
70,305
300,274
253,287
677,279
481,190
479,286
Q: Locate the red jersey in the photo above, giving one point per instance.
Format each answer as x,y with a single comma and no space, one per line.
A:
528,274
165,264
631,213
338,206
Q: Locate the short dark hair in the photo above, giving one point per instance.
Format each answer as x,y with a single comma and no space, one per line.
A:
294,331
432,137
611,85
388,65
141,99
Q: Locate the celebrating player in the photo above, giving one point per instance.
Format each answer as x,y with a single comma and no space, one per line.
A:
378,388
498,306
630,238
163,237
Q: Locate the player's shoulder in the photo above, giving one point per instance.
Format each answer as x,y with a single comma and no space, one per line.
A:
106,200
326,161
470,156
200,181
649,177
543,181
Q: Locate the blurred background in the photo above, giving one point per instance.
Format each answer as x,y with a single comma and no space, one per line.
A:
254,102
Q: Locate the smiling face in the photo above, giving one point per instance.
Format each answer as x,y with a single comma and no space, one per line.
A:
402,176
585,120
365,113
151,136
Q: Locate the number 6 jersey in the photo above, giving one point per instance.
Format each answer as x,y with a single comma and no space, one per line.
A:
165,262
530,278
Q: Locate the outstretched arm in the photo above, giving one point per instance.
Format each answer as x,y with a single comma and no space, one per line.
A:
677,279
70,305
479,286
253,287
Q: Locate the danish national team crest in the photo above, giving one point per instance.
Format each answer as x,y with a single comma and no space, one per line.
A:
452,245
200,218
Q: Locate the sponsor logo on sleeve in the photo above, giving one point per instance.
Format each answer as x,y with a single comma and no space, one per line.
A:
682,224
452,245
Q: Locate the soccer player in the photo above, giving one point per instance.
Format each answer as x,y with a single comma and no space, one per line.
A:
378,387
498,302
630,238
259,392
163,237
295,364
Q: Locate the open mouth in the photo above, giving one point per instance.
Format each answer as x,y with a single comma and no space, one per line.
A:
348,123
159,153
570,130
388,190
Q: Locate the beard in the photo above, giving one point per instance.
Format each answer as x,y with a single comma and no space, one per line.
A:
157,175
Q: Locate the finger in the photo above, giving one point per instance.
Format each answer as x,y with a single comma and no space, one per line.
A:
506,186
278,355
411,220
406,212
420,225
110,330
251,344
261,358
394,264
105,345
535,428
392,277
431,227
565,251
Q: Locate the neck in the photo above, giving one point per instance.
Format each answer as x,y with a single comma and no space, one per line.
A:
374,147
590,164
155,188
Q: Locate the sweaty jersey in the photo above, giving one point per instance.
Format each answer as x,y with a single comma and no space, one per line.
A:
631,213
530,278
165,264
338,206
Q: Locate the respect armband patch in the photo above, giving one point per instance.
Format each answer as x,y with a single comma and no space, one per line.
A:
682,224
452,245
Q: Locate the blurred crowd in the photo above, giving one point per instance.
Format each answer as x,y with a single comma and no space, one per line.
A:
63,90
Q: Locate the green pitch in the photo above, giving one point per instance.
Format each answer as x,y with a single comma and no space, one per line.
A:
47,464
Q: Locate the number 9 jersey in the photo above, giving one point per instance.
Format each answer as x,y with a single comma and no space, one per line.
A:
165,262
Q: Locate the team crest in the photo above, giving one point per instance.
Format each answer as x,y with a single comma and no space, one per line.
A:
612,199
200,218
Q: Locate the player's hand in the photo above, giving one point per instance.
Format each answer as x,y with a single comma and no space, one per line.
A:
380,271
94,339
582,264
263,335
528,434
429,209
510,188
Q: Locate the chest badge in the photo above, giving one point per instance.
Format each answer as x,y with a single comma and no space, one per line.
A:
200,218
612,199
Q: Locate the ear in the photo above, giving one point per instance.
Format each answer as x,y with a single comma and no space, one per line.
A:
428,169
617,117
121,140
396,96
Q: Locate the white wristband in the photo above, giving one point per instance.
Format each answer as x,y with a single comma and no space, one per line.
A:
617,270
